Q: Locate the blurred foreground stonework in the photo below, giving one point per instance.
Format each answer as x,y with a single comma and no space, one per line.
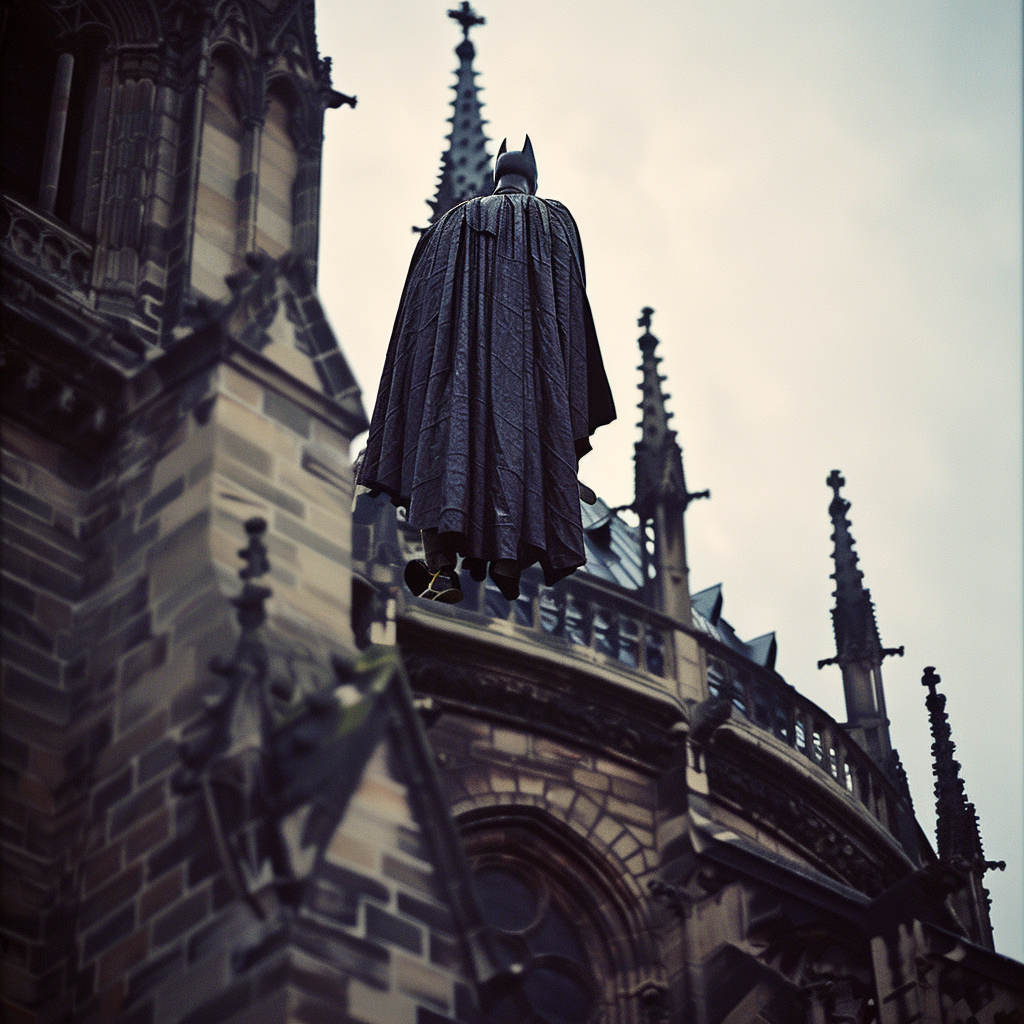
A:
248,777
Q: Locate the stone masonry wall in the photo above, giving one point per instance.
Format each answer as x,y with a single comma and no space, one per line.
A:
116,583
507,786
608,804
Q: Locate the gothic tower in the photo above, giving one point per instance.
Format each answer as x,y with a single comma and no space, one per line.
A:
168,375
465,165
859,651
661,495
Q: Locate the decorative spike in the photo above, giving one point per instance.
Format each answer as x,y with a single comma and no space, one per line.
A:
853,618
956,827
659,467
251,601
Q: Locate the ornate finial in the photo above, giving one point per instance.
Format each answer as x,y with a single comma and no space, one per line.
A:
255,553
956,826
659,465
251,601
466,17
853,618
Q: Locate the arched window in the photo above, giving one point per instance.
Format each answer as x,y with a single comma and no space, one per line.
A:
563,914
220,167
279,164
49,113
539,924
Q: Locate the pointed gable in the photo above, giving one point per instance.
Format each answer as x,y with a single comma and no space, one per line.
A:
390,882
273,308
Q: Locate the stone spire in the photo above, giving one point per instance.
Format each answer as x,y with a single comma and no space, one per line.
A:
956,826
466,166
661,495
859,650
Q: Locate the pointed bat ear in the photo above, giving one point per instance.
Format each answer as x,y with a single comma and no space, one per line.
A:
532,163
502,148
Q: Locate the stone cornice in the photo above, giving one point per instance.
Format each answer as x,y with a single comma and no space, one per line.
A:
568,704
766,782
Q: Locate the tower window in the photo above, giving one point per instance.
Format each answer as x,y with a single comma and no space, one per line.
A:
49,114
28,71
279,163
220,167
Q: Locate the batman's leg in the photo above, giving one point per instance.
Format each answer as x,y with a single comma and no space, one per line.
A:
476,567
505,573
439,550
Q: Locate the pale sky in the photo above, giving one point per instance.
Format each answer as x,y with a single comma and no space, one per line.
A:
822,202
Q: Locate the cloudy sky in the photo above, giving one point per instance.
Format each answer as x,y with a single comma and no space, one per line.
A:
821,201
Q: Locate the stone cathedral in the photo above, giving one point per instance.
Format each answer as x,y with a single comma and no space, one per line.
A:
247,777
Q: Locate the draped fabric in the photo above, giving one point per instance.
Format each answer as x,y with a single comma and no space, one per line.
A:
493,384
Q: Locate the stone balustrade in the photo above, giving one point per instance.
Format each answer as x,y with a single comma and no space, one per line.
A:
622,633
46,244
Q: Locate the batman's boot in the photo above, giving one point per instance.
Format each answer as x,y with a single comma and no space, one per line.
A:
442,585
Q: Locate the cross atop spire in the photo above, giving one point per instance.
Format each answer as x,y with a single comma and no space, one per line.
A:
466,166
467,18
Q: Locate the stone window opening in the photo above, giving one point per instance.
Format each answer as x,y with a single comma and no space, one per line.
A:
49,119
562,915
278,169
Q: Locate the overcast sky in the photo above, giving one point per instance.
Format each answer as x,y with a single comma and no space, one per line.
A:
821,201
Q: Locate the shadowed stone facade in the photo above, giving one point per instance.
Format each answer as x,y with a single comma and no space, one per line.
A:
247,777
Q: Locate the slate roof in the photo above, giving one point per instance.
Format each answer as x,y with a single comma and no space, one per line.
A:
707,617
614,554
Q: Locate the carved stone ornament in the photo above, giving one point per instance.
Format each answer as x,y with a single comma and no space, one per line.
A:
37,394
795,818
272,756
560,710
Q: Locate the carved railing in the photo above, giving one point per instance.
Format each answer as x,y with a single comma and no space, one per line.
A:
603,626
45,244
624,632
618,632
769,703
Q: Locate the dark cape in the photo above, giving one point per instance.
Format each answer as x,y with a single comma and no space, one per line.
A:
493,384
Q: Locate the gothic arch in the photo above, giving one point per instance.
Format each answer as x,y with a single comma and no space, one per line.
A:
609,917
247,94
122,21
304,123
133,21
232,23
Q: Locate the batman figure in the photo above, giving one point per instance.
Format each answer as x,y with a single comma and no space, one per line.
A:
492,386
